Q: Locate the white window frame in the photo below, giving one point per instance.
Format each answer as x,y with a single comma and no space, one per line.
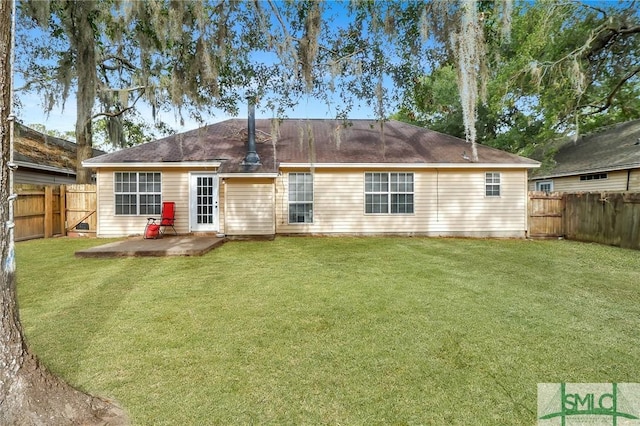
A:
492,183
541,183
385,191
594,176
124,188
299,198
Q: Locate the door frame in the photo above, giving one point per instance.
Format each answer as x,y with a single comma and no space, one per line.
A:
215,225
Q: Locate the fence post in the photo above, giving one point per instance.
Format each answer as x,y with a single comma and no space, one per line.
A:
48,211
63,210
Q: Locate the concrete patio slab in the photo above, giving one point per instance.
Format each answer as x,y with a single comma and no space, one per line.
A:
181,245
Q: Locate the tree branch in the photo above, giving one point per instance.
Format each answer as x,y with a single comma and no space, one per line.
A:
602,37
119,112
276,12
123,62
597,9
609,100
125,89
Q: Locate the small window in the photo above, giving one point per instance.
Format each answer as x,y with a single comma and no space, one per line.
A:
544,185
300,198
492,184
137,193
388,193
594,176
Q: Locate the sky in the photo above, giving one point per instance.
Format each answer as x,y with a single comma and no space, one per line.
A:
63,120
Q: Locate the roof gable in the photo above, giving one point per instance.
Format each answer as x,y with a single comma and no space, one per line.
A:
305,141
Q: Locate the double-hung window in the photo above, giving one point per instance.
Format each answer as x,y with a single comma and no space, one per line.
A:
300,198
492,184
388,192
138,193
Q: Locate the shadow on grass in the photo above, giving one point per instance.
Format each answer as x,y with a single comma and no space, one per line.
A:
90,305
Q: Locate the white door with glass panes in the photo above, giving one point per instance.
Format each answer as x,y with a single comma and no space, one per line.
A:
203,202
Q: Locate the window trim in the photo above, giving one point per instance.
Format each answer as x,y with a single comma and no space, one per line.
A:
492,184
594,176
289,202
137,193
539,183
389,193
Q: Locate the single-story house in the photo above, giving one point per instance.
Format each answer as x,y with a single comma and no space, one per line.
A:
606,160
43,159
317,177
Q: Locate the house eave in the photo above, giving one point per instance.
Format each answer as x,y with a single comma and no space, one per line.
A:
408,166
586,171
248,175
153,165
45,168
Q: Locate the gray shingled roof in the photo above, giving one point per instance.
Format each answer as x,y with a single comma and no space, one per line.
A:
40,151
613,148
310,141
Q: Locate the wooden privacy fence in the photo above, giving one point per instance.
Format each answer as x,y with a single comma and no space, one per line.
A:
608,218
47,211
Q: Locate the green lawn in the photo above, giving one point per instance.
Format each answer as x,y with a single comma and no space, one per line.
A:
334,330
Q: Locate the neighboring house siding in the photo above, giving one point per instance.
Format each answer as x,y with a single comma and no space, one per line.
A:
446,202
35,178
615,181
248,206
634,180
175,187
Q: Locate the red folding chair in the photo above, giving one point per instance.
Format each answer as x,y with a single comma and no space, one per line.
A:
155,229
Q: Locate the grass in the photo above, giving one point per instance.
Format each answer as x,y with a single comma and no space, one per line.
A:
334,330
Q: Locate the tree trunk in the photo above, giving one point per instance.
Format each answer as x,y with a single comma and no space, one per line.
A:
82,41
29,394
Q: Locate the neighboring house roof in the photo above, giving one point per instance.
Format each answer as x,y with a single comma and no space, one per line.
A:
612,148
309,141
35,150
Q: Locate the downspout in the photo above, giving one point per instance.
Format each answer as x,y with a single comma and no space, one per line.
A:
10,261
437,195
275,205
628,178
224,191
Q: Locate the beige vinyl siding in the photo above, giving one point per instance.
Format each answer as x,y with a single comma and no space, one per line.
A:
461,207
446,202
615,181
175,187
248,206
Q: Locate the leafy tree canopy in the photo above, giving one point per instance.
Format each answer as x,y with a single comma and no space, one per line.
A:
536,70
567,68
